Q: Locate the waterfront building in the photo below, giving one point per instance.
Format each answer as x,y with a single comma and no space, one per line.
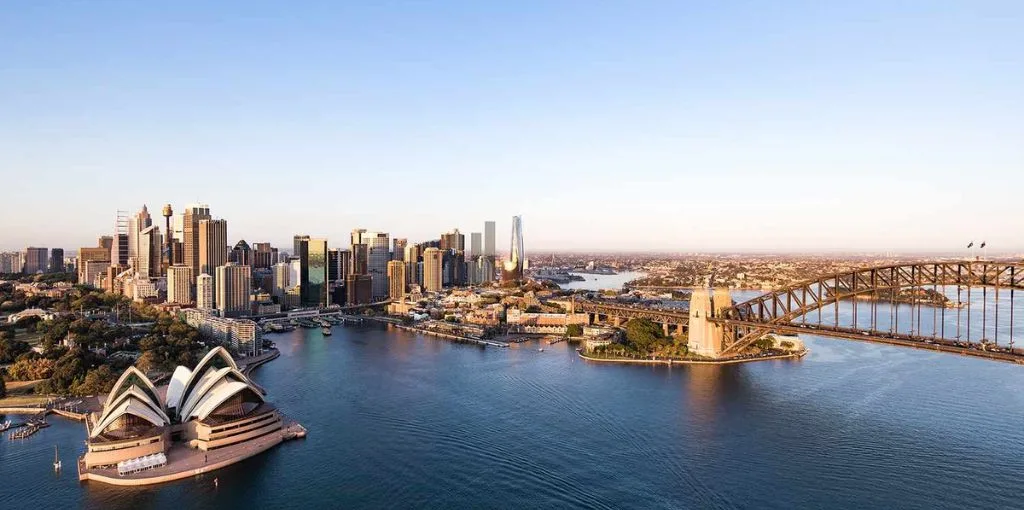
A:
396,279
211,406
233,287
37,260
57,260
432,270
194,214
241,334
378,255
312,256
179,284
213,241
204,292
358,289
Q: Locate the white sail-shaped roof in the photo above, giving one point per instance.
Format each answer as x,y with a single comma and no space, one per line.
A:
129,406
133,377
136,394
201,372
177,385
218,395
206,385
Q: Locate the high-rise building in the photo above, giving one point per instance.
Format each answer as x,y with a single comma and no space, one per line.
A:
136,224
358,289
194,213
119,241
233,286
396,280
398,250
264,256
213,242
147,254
297,242
476,244
241,254
453,241
517,256
179,284
334,265
412,257
281,280
204,292
432,270
360,259
37,260
378,255
12,262
489,240
57,260
485,269
312,255
89,270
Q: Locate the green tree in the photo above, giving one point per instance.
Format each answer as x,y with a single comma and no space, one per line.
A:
643,334
574,330
96,382
3,388
11,349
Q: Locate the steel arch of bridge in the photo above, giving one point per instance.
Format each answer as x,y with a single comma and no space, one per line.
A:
745,322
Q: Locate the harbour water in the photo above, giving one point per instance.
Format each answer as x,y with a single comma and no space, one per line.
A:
399,419
602,281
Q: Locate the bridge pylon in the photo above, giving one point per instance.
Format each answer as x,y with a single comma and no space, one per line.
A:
707,338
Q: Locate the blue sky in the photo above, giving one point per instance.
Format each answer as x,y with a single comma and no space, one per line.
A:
692,126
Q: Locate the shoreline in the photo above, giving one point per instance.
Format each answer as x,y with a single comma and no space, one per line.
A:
670,362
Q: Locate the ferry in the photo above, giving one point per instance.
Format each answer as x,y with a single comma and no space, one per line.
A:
326,331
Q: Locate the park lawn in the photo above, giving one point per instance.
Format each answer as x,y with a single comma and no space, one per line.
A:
30,337
19,393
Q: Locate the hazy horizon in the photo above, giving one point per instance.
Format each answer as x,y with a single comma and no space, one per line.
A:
658,126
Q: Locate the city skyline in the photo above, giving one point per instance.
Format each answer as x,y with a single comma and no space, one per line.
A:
825,127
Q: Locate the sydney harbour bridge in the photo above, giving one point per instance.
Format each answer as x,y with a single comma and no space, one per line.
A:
965,307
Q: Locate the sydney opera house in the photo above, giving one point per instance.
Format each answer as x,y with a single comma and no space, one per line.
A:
210,412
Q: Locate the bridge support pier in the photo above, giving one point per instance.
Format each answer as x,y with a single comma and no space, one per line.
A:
616,321
664,328
707,338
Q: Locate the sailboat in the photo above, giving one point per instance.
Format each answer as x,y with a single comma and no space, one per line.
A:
56,459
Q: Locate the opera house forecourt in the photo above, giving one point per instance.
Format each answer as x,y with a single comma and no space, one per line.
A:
203,419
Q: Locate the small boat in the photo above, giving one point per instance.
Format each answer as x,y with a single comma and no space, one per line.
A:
5,425
540,350
56,459
326,331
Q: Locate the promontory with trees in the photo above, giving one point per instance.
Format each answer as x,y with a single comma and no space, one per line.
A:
86,341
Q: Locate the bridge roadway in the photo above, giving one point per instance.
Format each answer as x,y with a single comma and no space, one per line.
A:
778,311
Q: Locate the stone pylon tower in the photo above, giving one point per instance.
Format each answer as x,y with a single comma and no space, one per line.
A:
706,338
